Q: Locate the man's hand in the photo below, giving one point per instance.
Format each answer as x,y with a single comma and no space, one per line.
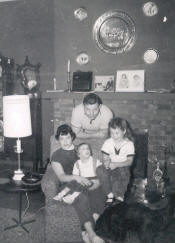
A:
81,133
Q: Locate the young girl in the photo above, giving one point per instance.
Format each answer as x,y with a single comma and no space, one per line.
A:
118,153
84,167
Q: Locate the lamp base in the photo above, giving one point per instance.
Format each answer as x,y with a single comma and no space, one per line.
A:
18,174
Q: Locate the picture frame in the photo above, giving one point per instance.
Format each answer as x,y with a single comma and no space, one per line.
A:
130,81
104,83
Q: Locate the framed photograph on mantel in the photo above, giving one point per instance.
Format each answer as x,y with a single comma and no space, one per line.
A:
130,81
104,83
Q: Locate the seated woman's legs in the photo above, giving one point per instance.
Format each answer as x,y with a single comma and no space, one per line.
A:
84,212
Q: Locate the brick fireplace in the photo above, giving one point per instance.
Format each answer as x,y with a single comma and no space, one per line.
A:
152,112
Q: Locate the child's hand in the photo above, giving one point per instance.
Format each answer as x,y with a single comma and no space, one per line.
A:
95,184
106,161
113,166
106,164
83,181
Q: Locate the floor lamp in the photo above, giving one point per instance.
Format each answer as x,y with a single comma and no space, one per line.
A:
17,123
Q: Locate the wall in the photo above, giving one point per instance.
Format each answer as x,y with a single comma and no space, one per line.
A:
73,36
46,30
26,28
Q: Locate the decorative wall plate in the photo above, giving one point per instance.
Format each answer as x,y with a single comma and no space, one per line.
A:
82,58
114,32
150,56
150,9
80,14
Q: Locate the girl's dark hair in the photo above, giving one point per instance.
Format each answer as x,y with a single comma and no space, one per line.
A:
91,99
123,125
64,130
81,144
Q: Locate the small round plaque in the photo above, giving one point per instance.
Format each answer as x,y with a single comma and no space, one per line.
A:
150,9
80,14
82,58
150,56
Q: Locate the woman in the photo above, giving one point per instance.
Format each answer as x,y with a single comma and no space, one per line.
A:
62,162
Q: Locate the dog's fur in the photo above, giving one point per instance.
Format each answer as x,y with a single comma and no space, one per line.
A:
123,219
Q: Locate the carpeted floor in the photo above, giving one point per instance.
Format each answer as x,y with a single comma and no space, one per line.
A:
32,208
18,235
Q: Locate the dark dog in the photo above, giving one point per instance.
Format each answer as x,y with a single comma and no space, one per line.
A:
121,222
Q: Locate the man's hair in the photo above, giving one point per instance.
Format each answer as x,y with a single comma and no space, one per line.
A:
64,130
91,99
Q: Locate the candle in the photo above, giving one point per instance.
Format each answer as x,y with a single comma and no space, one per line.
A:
68,66
54,83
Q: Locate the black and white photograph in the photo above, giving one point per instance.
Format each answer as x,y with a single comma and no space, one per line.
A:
104,83
87,131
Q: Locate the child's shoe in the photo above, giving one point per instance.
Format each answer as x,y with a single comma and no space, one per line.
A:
69,199
61,194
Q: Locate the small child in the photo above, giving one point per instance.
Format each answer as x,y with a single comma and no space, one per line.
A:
118,153
84,167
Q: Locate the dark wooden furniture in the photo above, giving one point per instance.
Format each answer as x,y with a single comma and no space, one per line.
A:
139,167
20,188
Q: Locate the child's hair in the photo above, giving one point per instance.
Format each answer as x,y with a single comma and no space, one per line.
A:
124,125
81,144
65,130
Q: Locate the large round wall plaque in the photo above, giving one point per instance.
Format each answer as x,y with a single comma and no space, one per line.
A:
114,32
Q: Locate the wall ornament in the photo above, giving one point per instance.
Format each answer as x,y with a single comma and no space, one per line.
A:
29,76
114,32
150,56
80,13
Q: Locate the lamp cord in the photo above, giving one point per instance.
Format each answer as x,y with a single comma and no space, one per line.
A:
28,205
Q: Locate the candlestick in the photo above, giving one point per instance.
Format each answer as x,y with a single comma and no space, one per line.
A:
54,83
68,82
68,66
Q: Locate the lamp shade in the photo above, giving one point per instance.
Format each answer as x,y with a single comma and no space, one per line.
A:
16,116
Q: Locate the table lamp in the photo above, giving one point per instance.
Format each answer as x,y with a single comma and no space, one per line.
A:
17,123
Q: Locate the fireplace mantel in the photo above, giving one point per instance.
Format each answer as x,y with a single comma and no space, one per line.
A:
111,95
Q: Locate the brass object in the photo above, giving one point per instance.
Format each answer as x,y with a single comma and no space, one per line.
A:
114,32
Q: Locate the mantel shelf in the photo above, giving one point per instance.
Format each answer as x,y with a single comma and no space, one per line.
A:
110,95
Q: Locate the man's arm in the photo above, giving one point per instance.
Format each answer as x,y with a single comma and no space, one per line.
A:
80,133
